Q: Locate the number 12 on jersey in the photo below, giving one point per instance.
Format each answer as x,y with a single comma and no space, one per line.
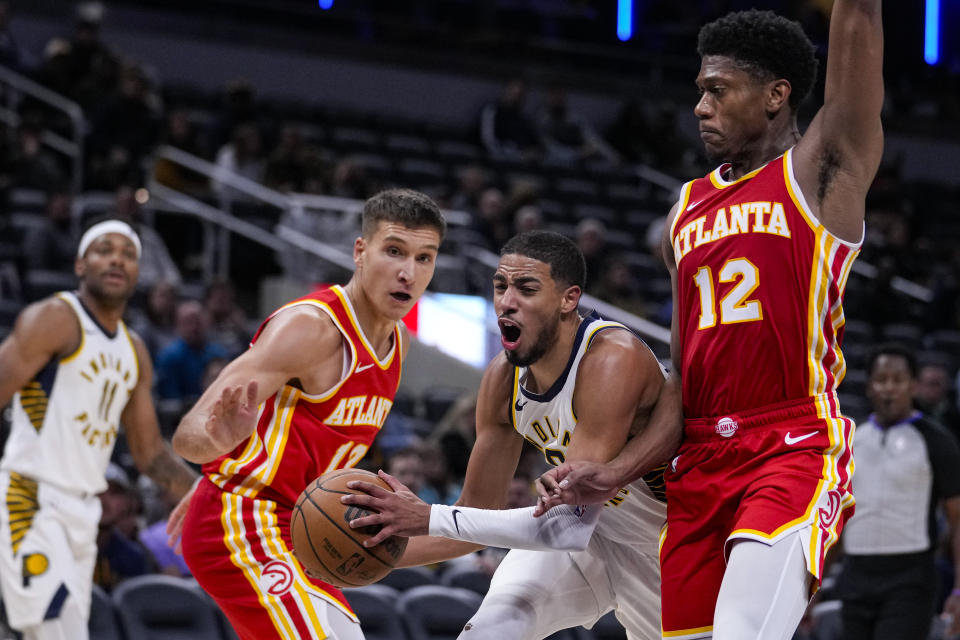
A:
734,307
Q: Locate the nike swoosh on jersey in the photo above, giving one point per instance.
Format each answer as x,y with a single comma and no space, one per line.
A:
363,368
791,440
455,512
518,406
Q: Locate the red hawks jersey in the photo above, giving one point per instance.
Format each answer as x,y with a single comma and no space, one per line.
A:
300,436
760,291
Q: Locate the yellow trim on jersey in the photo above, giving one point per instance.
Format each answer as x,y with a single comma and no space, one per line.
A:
689,634
269,534
514,396
681,207
136,358
83,338
348,308
720,182
819,286
798,202
275,441
234,538
304,581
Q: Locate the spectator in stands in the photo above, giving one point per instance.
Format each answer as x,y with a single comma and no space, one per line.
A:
126,126
155,262
28,163
181,134
94,66
528,218
351,180
292,163
471,182
238,107
505,128
407,466
907,465
228,322
52,246
180,365
567,136
617,285
932,396
156,322
591,237
119,554
491,218
244,157
440,486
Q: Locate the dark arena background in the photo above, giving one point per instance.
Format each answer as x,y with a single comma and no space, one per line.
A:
241,137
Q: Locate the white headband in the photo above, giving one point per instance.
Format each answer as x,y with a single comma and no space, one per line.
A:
105,227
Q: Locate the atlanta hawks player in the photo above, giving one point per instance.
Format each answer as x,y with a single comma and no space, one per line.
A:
309,396
759,253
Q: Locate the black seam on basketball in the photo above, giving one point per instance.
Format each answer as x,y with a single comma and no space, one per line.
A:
348,533
316,556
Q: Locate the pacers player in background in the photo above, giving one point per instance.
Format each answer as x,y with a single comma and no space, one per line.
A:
308,396
76,373
576,387
759,252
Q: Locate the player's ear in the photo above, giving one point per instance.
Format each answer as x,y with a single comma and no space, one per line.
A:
571,299
79,267
778,95
359,246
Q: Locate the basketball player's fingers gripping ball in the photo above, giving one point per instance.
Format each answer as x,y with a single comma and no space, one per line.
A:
324,542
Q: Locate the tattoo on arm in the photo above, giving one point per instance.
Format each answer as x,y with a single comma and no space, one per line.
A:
170,472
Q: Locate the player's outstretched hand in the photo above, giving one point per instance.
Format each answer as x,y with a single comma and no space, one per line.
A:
576,483
399,512
176,518
234,416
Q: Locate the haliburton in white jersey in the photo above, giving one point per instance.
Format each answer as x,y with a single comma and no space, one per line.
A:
66,419
547,421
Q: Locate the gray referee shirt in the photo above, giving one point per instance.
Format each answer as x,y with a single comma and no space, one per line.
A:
901,474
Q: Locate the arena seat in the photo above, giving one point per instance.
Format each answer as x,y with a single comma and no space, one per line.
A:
408,578
827,621
436,612
467,577
159,607
103,623
376,607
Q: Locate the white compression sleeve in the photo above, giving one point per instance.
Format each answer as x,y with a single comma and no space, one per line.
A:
563,528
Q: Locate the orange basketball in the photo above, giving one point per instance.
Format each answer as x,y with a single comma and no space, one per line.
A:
325,544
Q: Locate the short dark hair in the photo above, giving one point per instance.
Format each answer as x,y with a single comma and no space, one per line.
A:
892,349
567,265
410,208
766,45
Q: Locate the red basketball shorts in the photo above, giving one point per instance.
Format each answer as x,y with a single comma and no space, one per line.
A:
758,475
239,550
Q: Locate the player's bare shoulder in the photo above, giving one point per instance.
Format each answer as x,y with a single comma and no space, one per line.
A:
301,340
52,322
496,392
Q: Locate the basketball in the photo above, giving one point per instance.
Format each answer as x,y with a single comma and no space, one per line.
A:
325,544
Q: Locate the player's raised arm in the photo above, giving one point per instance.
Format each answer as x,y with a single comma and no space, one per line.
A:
839,154
151,453
226,413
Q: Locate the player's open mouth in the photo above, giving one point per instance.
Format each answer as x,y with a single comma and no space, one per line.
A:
400,296
509,334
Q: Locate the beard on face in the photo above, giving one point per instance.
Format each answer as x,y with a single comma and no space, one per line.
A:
547,338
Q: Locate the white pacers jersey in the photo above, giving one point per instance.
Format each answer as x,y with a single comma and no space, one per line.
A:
547,421
66,420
